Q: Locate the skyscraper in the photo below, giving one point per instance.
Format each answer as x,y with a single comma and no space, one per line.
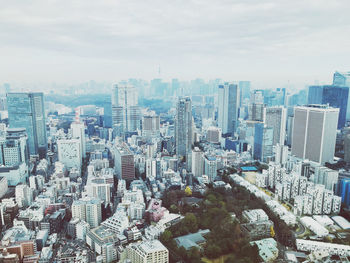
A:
125,110
342,79
263,142
228,100
26,110
124,162
276,118
335,96
183,127
244,90
314,132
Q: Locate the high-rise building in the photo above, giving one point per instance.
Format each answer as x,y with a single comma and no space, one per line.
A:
263,142
183,127
244,90
89,210
210,167
228,104
150,125
276,118
256,112
24,195
342,79
197,162
69,153
26,110
335,96
14,155
125,110
78,132
213,134
314,132
124,162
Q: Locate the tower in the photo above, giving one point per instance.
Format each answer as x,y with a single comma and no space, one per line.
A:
26,110
228,100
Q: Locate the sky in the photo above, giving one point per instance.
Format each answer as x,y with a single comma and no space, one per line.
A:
270,42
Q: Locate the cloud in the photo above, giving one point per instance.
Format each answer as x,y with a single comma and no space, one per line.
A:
254,39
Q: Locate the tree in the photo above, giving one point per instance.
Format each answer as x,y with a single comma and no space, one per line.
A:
188,191
272,232
231,259
166,236
212,251
190,222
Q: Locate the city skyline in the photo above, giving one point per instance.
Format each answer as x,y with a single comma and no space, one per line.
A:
270,43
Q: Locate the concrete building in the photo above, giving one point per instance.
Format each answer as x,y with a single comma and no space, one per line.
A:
213,135
124,162
314,133
331,248
210,167
276,118
228,104
183,128
125,110
147,251
88,210
69,153
102,241
150,125
78,132
197,162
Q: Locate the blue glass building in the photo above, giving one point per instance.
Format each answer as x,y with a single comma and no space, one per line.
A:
335,96
26,110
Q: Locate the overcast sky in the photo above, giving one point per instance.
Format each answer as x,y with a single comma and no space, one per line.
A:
273,41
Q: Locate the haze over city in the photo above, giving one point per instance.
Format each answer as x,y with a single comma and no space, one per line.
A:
271,43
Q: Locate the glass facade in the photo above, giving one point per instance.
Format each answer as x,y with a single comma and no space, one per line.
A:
26,110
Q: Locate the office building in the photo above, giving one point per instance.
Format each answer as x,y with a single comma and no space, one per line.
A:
102,241
334,96
314,132
14,155
276,118
213,135
88,210
124,162
69,153
228,104
150,125
197,162
26,110
183,128
342,79
244,91
78,132
210,167
125,110
263,142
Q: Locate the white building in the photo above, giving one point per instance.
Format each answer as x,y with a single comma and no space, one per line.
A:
276,117
331,248
3,186
24,195
147,251
210,167
69,153
314,132
228,104
78,132
197,162
89,210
